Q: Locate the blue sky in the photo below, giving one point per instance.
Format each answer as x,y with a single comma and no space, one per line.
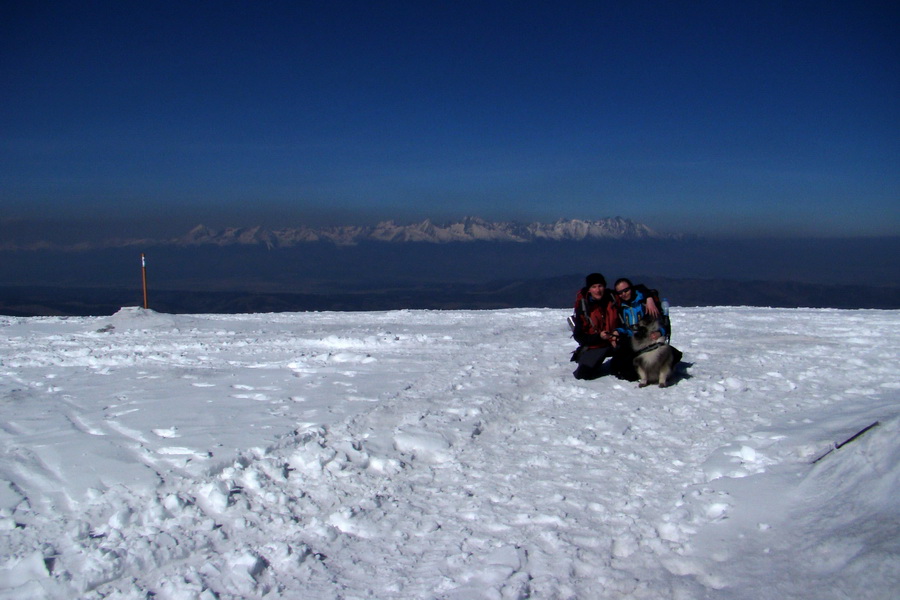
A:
715,118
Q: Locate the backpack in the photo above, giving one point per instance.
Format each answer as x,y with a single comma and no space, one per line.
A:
663,305
571,318
664,319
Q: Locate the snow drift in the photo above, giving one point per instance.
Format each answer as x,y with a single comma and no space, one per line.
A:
446,454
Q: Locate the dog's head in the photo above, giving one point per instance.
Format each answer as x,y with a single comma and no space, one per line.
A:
646,326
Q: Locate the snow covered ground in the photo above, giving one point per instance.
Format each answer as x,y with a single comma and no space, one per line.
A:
446,454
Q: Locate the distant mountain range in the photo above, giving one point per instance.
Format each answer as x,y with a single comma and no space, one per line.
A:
471,229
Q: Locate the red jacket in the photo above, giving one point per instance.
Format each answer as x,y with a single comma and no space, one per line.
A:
594,316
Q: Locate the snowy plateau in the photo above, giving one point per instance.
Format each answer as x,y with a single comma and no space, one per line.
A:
447,455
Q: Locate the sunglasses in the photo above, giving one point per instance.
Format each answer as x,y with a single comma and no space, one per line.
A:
623,291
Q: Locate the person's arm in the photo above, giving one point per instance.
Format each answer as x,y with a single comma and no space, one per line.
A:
587,339
651,304
583,335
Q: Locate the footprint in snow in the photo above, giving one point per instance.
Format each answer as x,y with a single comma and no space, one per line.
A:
257,397
180,451
171,432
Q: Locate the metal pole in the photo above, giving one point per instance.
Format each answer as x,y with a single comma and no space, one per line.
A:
144,277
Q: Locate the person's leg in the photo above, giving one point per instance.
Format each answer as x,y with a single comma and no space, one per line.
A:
591,364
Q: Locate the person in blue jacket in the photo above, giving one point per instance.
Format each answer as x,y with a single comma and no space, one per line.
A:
633,303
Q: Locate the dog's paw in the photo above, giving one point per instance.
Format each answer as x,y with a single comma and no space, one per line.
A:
643,384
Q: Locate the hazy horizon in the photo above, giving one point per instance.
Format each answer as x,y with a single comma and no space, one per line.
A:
73,231
374,275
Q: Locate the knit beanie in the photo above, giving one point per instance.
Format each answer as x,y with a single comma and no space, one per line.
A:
593,279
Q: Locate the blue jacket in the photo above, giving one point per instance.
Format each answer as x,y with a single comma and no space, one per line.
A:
631,312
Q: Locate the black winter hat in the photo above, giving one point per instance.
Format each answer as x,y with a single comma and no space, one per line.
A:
593,279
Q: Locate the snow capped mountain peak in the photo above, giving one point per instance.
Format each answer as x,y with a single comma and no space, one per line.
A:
470,229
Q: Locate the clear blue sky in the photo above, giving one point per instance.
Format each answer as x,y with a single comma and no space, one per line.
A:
704,117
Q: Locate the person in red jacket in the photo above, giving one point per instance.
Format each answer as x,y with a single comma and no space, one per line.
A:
595,321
